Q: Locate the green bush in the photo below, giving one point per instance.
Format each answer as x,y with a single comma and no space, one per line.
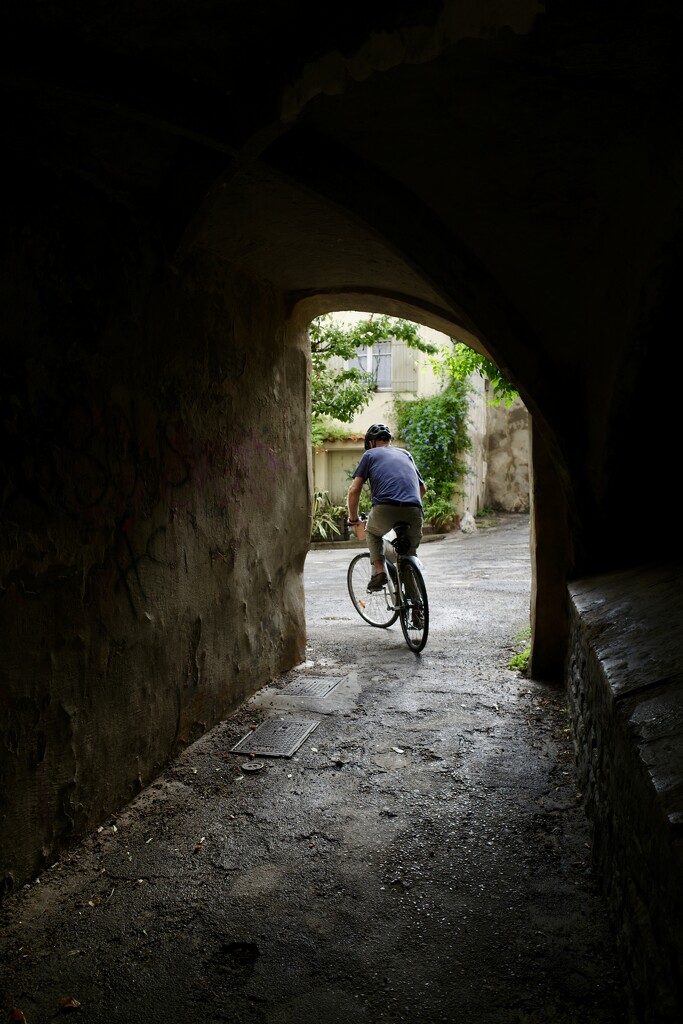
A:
434,431
439,512
326,517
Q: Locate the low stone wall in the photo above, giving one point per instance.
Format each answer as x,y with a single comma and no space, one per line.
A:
625,691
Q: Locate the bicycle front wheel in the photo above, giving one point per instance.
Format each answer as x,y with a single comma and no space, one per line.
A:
414,605
379,607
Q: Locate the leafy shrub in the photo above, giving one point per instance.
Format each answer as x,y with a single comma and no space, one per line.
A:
439,512
435,432
326,517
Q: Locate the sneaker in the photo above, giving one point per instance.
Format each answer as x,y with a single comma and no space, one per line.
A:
377,582
418,618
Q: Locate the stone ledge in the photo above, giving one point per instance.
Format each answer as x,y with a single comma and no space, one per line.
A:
625,690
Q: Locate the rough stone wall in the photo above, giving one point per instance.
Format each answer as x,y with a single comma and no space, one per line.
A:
507,480
499,461
154,518
476,481
627,718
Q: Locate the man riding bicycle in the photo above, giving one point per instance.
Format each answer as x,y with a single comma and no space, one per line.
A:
396,490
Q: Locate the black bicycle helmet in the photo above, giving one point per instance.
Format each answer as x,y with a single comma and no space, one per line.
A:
377,432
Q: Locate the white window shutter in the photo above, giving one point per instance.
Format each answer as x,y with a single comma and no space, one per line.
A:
403,367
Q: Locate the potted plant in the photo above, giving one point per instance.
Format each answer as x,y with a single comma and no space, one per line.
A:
439,514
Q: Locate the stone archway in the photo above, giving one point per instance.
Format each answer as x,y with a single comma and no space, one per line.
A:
180,190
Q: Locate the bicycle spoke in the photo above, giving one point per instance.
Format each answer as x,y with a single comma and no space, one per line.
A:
377,607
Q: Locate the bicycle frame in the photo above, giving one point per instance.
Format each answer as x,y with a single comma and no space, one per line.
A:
409,593
404,595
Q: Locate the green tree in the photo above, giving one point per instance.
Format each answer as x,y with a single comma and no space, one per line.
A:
341,393
458,363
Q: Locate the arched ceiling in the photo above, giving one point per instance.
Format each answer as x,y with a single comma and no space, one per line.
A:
475,161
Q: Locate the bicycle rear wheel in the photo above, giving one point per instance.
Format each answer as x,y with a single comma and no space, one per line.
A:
377,607
414,605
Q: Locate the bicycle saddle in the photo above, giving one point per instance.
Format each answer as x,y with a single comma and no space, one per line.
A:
402,541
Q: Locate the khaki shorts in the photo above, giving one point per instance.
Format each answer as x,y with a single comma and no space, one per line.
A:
382,520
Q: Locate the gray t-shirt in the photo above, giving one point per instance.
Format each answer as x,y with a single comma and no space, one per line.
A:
394,477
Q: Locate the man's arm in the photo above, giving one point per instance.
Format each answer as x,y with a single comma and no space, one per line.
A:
353,498
423,491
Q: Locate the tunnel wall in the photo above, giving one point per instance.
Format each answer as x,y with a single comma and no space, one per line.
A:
507,479
627,717
150,418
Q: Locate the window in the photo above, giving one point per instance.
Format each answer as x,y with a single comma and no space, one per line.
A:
376,360
392,364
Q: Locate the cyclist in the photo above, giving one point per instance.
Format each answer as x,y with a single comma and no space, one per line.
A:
396,490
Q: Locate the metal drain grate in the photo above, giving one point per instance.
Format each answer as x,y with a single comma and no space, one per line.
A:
279,737
310,687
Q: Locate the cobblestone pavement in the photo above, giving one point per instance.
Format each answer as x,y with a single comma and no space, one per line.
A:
421,857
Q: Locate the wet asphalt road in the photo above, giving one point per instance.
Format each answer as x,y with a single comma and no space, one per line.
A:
422,857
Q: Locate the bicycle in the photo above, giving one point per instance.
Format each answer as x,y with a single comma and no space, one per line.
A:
404,595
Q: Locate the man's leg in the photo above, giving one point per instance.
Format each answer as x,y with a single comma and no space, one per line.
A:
380,521
414,519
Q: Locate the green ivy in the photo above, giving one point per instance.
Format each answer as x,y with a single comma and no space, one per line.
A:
434,430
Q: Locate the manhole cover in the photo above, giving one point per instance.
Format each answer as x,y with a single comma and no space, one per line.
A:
311,686
276,737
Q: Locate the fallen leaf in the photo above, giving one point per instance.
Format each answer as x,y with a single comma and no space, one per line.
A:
68,1003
